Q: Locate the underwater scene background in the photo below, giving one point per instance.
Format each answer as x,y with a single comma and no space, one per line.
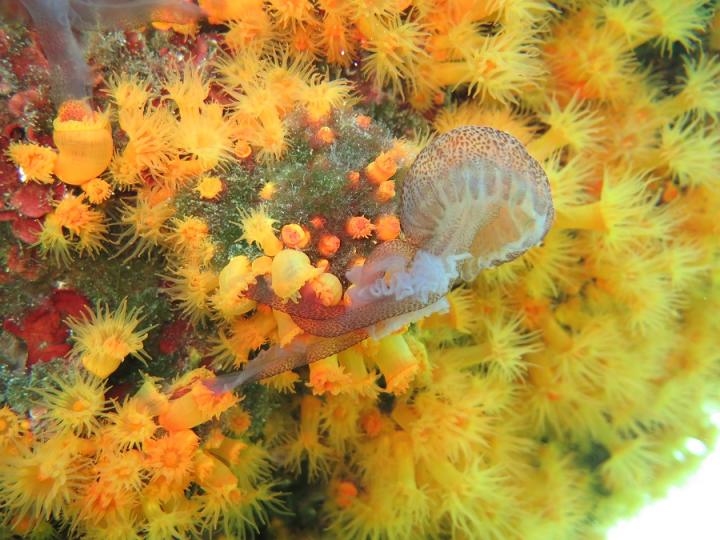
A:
357,269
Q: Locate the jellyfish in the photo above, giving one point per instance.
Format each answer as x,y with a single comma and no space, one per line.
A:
473,199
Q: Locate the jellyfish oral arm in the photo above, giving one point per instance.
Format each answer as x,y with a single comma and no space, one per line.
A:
267,363
428,274
275,360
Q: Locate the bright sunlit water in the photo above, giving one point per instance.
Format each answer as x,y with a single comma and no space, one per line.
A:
689,512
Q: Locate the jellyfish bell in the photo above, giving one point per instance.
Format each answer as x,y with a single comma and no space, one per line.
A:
476,190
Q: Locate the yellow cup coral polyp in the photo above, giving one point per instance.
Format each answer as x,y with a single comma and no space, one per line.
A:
104,339
194,405
84,141
37,162
291,269
396,362
327,288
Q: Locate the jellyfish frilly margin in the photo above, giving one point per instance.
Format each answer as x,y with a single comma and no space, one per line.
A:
473,199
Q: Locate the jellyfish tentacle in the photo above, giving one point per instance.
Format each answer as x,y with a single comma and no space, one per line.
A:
127,14
56,21
267,363
69,72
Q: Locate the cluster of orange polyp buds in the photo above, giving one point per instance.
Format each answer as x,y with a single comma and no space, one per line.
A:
379,173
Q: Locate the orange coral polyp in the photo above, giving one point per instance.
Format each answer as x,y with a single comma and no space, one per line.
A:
359,227
382,169
294,236
363,121
328,245
387,227
105,338
353,178
345,493
242,149
131,424
37,162
385,191
209,187
73,214
97,190
170,460
325,135
190,234
268,191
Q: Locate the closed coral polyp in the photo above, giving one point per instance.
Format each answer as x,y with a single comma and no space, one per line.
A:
396,362
291,269
381,169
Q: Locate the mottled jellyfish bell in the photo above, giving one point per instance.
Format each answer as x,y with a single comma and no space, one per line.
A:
476,190
84,141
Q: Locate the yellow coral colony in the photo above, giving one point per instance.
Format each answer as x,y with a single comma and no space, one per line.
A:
282,148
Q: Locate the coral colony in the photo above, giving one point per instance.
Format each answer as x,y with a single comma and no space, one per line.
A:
355,269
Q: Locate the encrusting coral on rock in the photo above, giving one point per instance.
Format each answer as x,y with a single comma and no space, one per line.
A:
468,250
